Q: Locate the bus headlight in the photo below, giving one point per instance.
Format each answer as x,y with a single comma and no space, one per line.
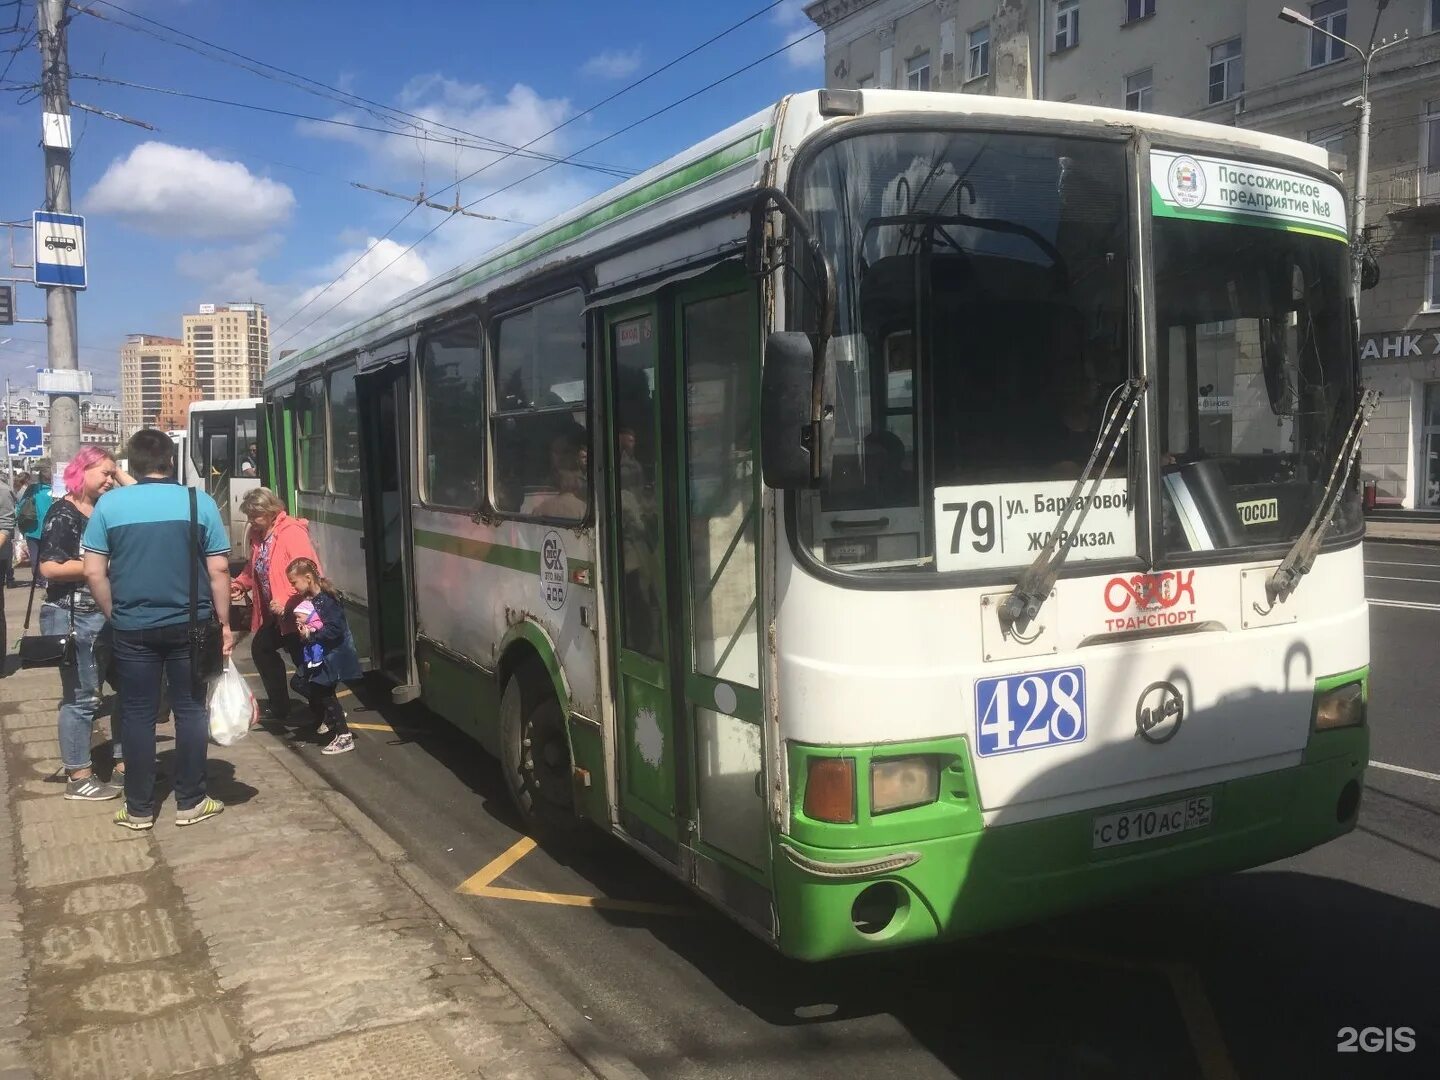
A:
830,790
902,782
1341,707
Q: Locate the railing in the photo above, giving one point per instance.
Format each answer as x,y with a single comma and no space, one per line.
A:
1407,189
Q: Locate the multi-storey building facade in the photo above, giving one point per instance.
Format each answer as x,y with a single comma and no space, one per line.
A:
157,383
1228,62
99,416
231,349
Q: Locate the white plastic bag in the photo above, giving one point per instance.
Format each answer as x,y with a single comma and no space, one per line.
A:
232,707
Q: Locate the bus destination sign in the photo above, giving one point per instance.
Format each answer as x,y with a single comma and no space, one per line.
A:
989,525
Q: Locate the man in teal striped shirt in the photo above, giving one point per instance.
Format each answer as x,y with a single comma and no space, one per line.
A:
141,567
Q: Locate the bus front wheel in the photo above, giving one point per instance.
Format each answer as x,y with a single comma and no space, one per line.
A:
535,756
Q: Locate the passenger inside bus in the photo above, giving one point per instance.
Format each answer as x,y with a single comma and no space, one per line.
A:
569,475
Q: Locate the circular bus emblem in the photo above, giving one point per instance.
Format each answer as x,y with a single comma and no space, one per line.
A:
554,568
1187,182
1159,713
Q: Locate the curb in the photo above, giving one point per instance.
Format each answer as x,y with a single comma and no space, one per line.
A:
1382,538
602,1056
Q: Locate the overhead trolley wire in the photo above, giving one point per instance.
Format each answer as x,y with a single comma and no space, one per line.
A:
387,113
614,134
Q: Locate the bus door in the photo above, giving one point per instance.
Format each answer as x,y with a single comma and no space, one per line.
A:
684,497
384,406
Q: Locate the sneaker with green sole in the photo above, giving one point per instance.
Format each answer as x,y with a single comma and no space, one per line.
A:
124,818
204,810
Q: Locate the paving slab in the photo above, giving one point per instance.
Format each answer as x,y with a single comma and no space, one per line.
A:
281,939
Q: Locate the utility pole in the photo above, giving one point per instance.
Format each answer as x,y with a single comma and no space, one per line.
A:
1362,174
63,332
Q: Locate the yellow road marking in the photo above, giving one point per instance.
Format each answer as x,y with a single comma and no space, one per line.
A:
498,865
479,884
370,727
1206,1035
1207,1039
496,892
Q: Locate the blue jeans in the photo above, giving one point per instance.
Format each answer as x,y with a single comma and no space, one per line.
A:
80,685
143,660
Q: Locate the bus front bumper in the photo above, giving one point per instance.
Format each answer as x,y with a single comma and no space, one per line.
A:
832,902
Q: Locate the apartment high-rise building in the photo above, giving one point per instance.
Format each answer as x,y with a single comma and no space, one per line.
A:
157,383
1228,62
231,349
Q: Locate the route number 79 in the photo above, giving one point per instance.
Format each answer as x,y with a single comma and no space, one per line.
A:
981,516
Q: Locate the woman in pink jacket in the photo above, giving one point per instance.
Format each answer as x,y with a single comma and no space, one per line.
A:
276,540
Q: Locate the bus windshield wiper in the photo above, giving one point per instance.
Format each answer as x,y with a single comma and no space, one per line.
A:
1301,556
1023,604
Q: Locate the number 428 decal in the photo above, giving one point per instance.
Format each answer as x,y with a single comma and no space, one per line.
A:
1029,710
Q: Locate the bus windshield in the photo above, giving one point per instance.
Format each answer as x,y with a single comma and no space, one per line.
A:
982,324
1256,376
984,330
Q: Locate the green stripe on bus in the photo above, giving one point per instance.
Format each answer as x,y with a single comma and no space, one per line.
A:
321,516
1160,208
742,149
525,560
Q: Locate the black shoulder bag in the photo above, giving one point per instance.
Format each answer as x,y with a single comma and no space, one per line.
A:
207,646
46,650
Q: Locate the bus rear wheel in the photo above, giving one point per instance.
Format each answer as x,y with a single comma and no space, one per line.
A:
535,756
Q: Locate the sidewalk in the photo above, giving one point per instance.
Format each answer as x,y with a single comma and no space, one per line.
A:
1419,532
278,940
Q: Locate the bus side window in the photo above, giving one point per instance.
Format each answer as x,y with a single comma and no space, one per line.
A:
541,445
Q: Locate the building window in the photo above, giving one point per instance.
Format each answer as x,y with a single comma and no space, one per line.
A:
1430,147
1330,139
1432,16
310,435
917,72
979,53
541,447
1138,9
1327,15
1067,24
344,433
1227,72
1140,91
452,381
1432,275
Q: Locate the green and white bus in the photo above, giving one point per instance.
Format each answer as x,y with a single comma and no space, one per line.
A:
899,516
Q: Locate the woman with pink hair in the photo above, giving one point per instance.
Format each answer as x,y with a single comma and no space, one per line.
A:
69,608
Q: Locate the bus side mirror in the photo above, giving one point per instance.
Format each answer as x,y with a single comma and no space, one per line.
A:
789,443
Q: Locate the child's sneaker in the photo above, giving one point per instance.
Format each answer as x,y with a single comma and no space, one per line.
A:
127,820
204,810
341,744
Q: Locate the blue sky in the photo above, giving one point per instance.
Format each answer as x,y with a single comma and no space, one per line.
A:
224,203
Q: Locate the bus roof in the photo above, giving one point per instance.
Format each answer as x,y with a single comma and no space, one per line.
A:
227,405
718,167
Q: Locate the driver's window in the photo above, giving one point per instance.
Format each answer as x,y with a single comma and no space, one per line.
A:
219,454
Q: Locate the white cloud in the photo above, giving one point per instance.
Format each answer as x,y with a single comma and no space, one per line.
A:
176,191
613,63
467,127
795,24
233,272
381,271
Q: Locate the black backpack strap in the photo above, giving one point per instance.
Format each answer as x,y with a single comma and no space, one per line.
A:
194,555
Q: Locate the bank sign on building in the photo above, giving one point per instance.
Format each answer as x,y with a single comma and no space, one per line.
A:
1401,453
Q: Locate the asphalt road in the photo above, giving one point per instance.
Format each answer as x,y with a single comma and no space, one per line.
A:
1250,975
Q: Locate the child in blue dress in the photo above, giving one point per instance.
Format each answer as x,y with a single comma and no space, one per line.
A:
328,651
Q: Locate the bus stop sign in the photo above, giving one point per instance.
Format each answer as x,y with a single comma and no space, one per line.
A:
59,249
